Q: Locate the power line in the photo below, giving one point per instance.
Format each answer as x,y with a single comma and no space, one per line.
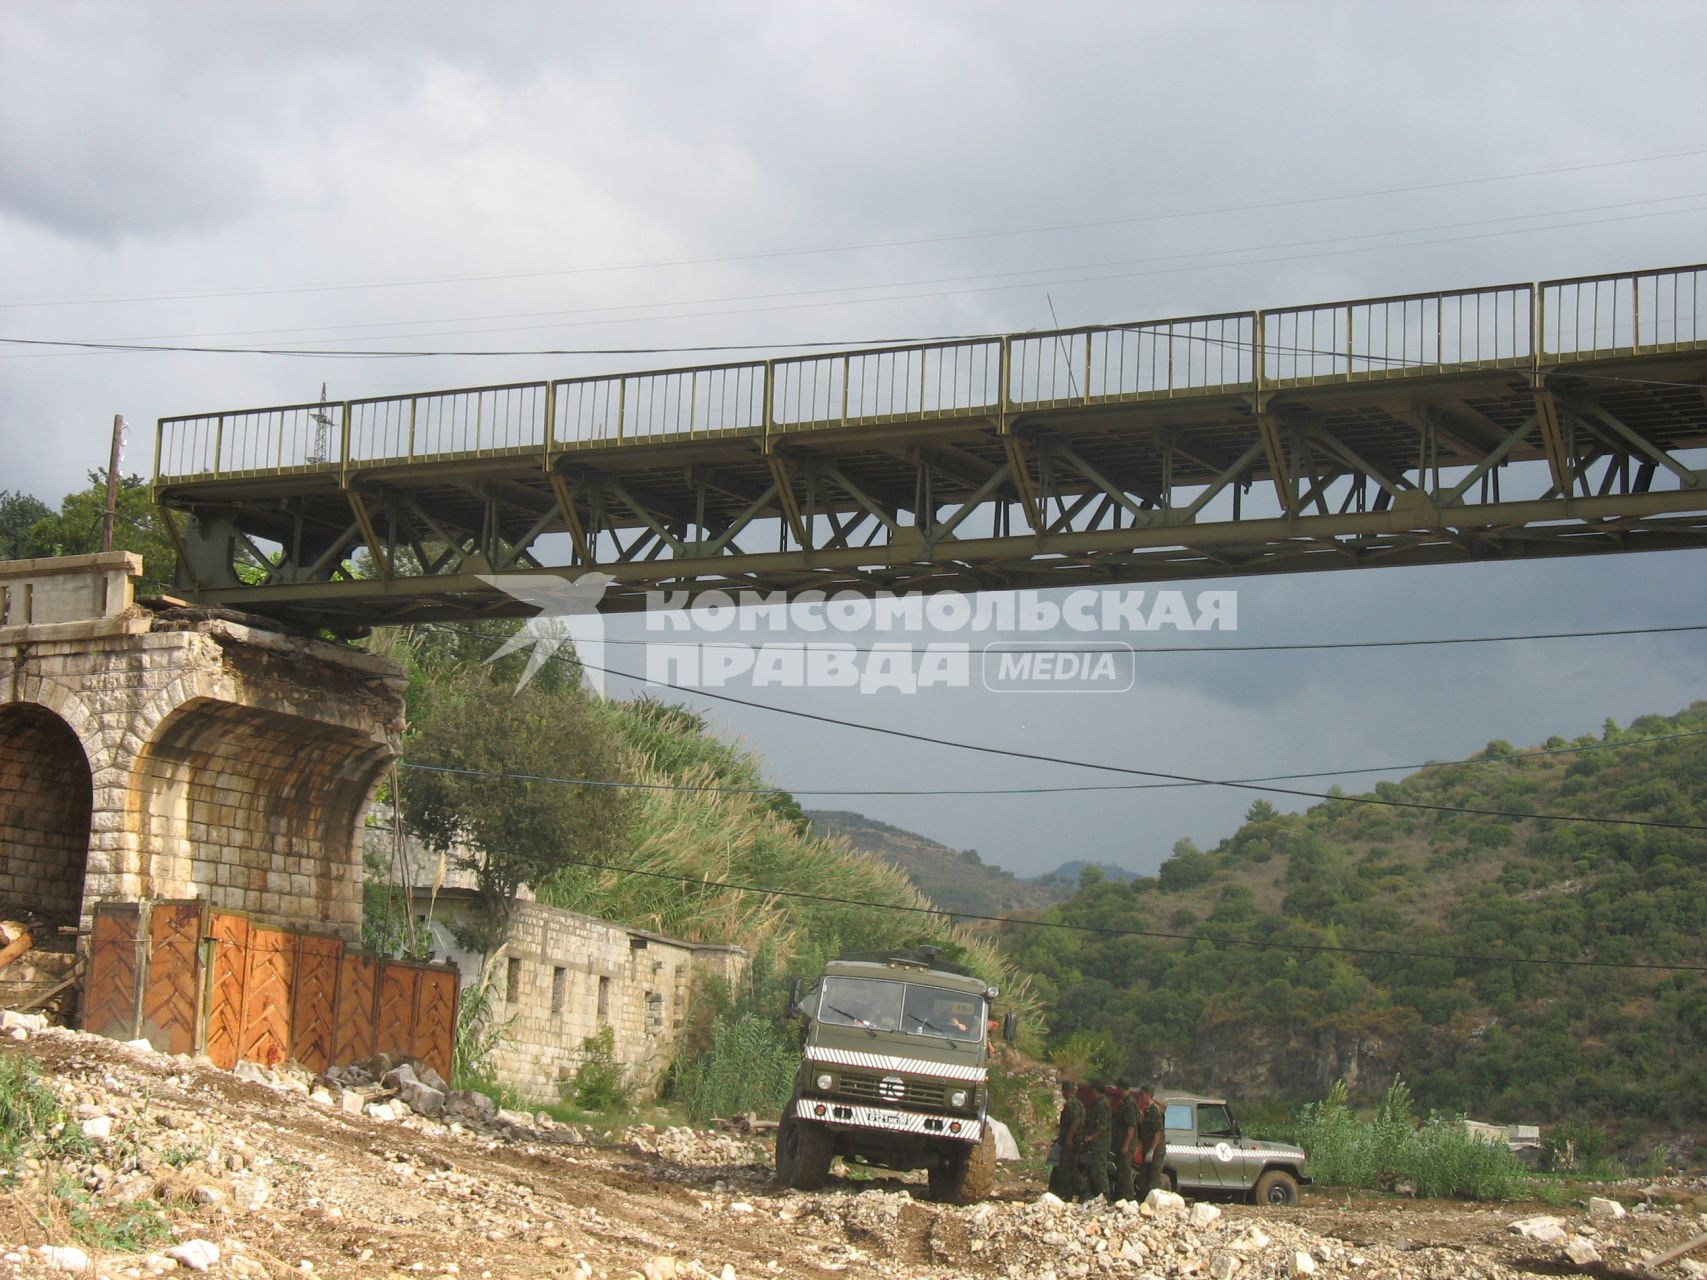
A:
907,242
289,350
606,311
1282,647
1106,931
1100,766
722,789
1109,931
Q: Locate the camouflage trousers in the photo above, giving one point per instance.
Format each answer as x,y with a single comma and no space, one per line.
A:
1064,1177
1096,1169
1148,1176
1121,1188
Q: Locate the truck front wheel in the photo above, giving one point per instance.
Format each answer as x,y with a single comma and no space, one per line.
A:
803,1154
969,1176
1277,1187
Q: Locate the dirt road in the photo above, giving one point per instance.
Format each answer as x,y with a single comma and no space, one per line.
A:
280,1184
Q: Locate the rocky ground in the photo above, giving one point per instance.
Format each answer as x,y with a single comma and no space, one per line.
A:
192,1168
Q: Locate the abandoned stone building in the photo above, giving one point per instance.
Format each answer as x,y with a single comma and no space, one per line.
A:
561,978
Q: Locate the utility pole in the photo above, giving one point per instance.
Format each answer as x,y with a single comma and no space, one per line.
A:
113,482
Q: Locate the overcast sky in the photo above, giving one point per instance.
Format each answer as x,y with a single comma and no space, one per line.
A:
505,177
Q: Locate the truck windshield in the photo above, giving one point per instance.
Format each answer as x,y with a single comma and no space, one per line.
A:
879,1005
954,1015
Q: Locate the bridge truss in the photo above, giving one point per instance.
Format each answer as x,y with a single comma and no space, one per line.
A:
1505,422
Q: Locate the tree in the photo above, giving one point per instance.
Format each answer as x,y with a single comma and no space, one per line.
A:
19,513
502,816
1188,868
75,529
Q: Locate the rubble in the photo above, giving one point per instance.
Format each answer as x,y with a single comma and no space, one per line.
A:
1542,1229
1600,1209
196,1255
248,1174
1581,1252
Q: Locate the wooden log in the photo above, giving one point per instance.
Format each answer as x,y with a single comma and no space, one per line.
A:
20,941
1688,1246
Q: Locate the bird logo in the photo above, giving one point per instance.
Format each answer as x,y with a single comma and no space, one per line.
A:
568,611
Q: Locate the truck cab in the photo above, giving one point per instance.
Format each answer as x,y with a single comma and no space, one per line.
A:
893,1072
1208,1156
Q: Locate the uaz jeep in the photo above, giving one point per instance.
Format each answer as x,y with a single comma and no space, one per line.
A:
1207,1155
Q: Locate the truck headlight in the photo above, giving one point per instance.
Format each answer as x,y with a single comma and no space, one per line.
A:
825,1081
957,1098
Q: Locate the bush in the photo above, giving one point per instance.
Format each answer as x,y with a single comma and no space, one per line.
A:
749,1067
1445,1159
478,1036
28,1108
1440,1159
598,1085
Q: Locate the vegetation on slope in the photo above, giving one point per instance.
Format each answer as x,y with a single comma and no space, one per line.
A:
694,845
1449,907
955,879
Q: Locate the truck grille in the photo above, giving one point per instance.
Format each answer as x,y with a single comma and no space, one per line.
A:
869,1087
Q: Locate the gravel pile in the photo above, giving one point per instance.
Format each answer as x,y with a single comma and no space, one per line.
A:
258,1172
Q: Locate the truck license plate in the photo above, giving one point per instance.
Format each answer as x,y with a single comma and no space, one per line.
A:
888,1119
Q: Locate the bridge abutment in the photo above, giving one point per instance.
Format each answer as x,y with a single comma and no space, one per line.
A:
180,753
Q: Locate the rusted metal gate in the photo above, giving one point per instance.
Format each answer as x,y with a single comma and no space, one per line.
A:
191,979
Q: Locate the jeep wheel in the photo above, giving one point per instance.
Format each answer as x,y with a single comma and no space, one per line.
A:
1277,1187
803,1154
968,1176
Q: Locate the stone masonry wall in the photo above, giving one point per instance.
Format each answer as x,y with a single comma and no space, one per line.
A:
224,761
44,814
561,978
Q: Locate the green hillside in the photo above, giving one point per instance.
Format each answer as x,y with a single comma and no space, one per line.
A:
954,879
1469,896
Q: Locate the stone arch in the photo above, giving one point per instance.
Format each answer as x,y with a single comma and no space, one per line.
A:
46,807
256,810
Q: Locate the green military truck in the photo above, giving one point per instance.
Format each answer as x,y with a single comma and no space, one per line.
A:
893,1073
1208,1156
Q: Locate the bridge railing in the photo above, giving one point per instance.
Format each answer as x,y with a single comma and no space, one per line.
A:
1404,335
1093,365
290,437
1399,336
887,384
1638,312
667,402
469,422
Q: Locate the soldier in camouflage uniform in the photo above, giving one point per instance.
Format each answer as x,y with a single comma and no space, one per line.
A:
1125,1141
1064,1177
1152,1144
1098,1122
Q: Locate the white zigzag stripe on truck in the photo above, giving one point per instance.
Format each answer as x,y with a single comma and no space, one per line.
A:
895,1121
888,1062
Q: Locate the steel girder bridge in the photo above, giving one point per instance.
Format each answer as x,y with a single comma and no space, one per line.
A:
1505,422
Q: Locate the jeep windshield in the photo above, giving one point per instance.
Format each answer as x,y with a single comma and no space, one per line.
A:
911,1007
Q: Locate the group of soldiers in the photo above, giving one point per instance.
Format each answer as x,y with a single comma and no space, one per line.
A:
1112,1142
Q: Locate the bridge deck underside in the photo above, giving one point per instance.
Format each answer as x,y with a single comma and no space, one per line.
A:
1597,455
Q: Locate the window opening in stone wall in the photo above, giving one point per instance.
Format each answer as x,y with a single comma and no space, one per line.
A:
654,1011
559,977
513,981
604,1000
